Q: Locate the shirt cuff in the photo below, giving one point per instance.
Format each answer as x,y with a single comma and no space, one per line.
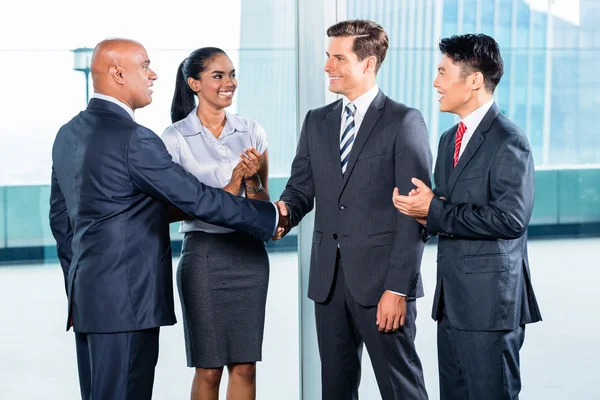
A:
276,219
399,294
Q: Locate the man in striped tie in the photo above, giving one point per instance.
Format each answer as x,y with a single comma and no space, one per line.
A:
366,256
480,209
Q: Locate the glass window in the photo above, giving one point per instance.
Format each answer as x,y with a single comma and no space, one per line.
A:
41,91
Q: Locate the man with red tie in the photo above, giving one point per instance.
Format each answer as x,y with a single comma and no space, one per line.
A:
480,209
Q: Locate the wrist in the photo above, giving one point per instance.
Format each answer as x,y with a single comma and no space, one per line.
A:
253,185
253,180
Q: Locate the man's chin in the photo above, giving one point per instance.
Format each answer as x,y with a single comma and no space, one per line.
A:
333,89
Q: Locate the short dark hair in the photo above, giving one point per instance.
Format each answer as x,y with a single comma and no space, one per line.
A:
369,38
475,53
192,66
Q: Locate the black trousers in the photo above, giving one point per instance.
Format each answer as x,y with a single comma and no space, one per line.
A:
343,326
117,366
478,365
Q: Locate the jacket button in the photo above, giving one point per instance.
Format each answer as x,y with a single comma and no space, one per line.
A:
335,236
342,207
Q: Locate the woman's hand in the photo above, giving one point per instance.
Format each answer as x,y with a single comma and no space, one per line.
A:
252,160
237,177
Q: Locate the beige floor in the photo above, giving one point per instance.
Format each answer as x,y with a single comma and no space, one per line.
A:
559,358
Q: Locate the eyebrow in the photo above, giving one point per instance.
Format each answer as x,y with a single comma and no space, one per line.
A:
222,72
335,55
146,62
441,69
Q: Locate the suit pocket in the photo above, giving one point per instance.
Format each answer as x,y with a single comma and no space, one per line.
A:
476,173
317,236
381,239
372,154
485,263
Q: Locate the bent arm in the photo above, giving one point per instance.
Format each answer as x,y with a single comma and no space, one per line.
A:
509,211
412,159
299,192
152,171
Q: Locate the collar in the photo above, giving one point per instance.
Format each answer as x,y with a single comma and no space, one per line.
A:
473,120
114,101
191,125
363,101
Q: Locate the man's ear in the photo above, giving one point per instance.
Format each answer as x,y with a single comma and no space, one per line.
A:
116,71
371,64
477,81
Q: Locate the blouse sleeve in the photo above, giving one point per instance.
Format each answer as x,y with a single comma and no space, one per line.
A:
171,141
261,142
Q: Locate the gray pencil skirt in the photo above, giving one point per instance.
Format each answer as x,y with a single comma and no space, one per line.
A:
222,281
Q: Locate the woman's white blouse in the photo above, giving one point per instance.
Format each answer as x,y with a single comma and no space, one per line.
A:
210,159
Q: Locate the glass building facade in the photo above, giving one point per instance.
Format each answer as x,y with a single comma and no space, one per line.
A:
550,85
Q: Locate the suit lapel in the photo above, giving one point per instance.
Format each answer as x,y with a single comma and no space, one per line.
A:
333,122
449,153
476,140
366,127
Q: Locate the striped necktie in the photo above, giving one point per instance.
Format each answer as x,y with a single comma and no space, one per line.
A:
347,136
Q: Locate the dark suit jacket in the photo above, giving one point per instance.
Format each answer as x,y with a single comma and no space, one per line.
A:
483,279
112,182
380,248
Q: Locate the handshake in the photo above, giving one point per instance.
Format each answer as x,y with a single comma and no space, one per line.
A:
285,224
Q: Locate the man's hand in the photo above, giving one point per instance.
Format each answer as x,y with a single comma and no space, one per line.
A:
417,203
422,221
285,224
391,312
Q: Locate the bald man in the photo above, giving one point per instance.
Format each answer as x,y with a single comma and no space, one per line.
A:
113,182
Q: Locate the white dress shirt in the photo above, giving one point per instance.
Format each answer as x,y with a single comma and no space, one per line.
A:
472,121
115,101
362,103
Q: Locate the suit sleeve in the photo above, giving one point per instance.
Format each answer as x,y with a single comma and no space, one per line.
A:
508,213
152,171
412,159
299,192
60,226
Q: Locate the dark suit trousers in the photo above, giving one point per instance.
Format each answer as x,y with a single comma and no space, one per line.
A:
343,326
478,365
117,366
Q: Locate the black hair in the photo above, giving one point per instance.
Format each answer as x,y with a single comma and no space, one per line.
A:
475,53
184,97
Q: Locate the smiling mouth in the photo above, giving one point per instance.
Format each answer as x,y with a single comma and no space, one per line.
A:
335,78
226,93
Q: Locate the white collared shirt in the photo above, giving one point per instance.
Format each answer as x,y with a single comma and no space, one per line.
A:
362,103
472,121
209,159
115,101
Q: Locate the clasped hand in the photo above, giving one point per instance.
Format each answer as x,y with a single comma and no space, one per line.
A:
285,224
246,169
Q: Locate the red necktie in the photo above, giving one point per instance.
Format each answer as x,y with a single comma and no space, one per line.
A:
459,136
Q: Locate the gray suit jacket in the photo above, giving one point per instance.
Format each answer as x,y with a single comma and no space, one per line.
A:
483,279
380,248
